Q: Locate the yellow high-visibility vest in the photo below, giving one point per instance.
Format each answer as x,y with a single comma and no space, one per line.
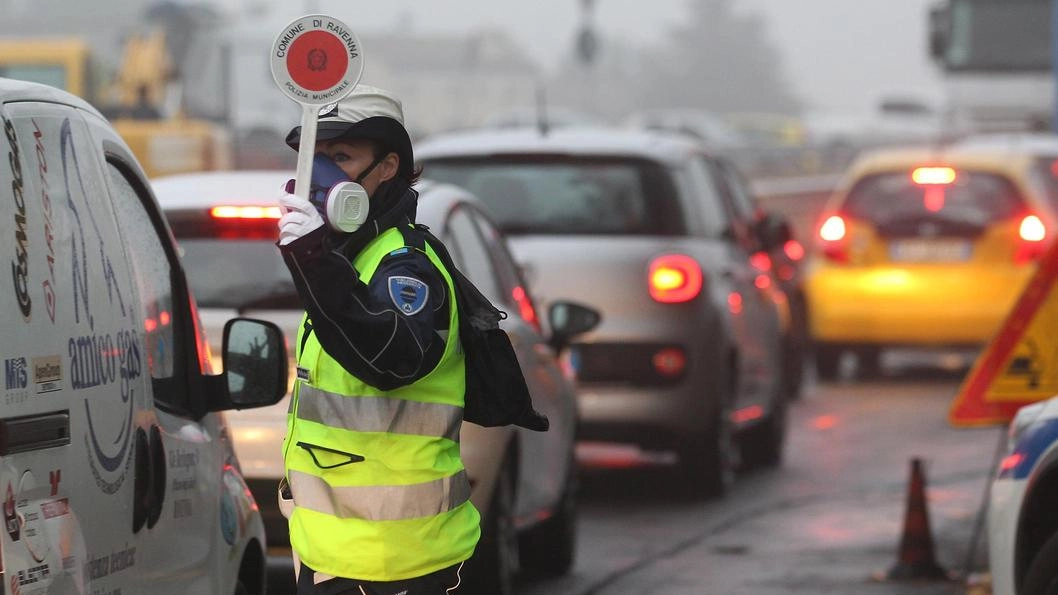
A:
380,492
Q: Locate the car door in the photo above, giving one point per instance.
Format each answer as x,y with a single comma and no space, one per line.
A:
185,525
751,303
74,398
471,255
547,455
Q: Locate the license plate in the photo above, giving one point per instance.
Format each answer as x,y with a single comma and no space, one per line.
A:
930,250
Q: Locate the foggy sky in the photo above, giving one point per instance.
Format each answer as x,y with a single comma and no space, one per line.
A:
838,54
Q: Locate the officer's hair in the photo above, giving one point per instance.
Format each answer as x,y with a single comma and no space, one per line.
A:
380,149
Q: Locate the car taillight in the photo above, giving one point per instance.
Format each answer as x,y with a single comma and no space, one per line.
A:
794,250
525,307
833,234
1031,233
245,212
674,278
761,261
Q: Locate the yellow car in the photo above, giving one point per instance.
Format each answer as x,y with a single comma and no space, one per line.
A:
928,247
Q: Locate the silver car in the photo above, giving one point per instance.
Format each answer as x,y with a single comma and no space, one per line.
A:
689,352
523,482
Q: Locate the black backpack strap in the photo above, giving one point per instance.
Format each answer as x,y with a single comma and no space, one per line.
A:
306,331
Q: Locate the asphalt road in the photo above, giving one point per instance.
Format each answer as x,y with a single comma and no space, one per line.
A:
829,520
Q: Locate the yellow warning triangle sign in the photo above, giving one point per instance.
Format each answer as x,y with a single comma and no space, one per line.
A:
1020,365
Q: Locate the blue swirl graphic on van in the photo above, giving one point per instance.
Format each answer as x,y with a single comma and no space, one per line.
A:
80,257
98,359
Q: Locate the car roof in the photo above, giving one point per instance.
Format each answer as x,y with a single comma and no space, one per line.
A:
980,158
13,90
263,187
572,141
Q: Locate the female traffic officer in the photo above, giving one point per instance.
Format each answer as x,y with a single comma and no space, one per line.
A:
380,499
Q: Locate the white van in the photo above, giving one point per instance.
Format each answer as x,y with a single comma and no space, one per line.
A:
117,476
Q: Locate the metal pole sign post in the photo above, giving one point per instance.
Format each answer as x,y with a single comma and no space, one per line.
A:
316,60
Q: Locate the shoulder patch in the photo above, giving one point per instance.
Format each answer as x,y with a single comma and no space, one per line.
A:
408,294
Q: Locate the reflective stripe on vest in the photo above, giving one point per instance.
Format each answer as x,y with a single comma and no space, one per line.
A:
380,503
379,414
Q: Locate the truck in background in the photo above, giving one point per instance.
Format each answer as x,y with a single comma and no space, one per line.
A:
996,61
166,97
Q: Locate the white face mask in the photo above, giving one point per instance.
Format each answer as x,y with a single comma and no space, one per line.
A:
346,204
346,207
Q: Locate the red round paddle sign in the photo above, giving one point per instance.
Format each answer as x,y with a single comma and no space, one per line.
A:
317,60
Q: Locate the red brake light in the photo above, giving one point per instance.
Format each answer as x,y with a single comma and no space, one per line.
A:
245,212
833,234
525,306
1032,229
1032,232
933,175
794,250
761,261
674,278
833,229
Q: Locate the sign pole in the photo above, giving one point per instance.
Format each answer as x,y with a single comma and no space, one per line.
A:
306,149
316,61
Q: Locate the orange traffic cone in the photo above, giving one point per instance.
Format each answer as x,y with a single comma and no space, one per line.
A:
915,558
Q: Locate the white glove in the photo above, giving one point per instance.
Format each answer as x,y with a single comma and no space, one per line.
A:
300,218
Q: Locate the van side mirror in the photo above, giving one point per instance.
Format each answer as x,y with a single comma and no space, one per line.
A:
569,319
255,363
939,31
773,231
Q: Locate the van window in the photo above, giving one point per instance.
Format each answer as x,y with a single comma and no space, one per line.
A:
153,274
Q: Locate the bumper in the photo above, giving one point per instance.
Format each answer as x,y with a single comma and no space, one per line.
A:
924,306
651,417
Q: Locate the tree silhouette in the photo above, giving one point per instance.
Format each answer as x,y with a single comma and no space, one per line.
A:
718,60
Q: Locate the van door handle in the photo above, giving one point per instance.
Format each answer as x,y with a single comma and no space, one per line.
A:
141,484
158,476
149,477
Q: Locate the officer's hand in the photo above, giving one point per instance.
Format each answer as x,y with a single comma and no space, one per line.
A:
300,218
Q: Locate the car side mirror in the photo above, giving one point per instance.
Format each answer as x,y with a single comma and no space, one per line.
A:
255,363
773,231
568,320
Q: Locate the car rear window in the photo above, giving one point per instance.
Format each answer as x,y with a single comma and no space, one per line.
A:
972,197
234,264
560,195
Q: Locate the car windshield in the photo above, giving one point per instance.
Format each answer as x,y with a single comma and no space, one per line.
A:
566,196
237,273
972,197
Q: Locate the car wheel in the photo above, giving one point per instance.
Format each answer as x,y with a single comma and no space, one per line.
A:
492,568
1042,576
762,445
828,361
548,549
708,465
